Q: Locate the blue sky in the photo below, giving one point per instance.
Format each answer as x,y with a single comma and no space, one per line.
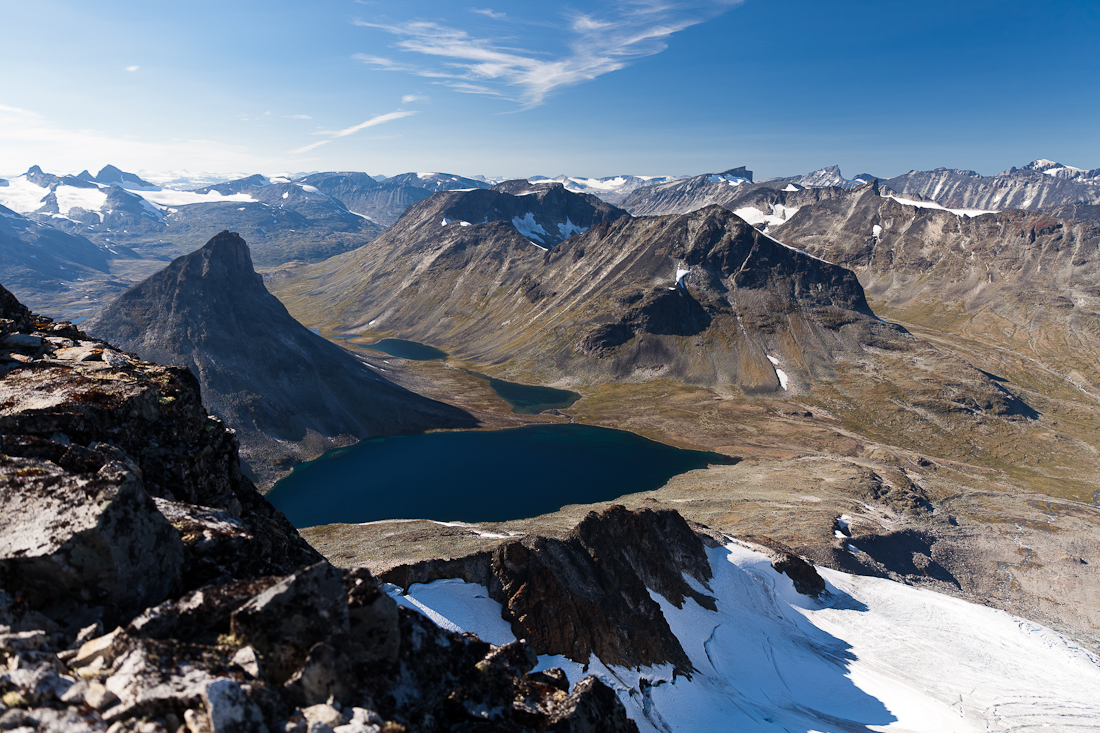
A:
645,87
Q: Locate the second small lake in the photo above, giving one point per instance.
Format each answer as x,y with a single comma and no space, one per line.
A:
406,349
479,476
529,399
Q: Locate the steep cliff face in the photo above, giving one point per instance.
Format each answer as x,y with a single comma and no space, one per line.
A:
288,392
123,507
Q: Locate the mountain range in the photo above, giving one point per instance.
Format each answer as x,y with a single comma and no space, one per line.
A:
906,377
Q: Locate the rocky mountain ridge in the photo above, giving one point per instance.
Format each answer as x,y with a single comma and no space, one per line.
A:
1039,185
124,508
703,299
384,202
612,189
289,393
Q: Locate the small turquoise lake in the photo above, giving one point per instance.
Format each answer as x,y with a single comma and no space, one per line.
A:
407,350
479,476
528,399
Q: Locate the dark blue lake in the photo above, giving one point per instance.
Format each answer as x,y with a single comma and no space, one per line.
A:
529,399
407,350
479,476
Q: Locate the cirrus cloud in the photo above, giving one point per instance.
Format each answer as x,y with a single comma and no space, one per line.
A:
597,44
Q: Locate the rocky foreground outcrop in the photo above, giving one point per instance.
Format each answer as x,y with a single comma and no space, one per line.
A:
146,586
588,594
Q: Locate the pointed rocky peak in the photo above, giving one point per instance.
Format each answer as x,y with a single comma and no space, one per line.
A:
34,170
229,251
869,186
84,175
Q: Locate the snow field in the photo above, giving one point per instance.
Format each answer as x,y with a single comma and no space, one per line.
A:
71,197
933,205
22,196
872,655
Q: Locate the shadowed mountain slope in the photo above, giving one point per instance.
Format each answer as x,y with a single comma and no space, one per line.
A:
289,393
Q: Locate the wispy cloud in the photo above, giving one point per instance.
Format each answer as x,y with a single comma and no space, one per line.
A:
410,98
336,134
597,44
489,12
311,146
131,68
299,117
369,123
383,63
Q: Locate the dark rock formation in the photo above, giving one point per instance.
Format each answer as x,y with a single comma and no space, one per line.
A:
122,504
785,560
264,373
587,594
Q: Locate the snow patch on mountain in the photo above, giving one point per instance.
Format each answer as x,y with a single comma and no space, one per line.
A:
731,180
779,373
23,196
934,205
568,229
70,197
872,654
528,227
779,215
184,198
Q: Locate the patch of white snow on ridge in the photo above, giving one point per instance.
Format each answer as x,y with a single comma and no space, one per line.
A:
309,189
756,217
870,655
934,205
681,273
456,605
568,229
791,188
876,230
528,227
169,197
751,214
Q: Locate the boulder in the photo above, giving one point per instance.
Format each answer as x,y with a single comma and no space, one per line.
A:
93,539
